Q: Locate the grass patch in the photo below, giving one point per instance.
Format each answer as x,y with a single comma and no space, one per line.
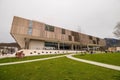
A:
13,59
57,69
109,58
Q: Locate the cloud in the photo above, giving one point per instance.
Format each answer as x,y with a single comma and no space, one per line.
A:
94,17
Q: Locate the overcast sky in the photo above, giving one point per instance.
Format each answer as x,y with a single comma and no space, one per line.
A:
94,17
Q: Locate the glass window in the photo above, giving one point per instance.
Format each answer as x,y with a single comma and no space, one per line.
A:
63,31
70,38
30,28
94,42
76,36
51,45
49,28
90,37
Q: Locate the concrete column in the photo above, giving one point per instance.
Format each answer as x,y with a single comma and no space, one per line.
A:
27,41
72,47
88,47
58,46
80,47
75,47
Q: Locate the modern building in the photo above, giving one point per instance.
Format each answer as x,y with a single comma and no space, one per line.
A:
30,34
111,42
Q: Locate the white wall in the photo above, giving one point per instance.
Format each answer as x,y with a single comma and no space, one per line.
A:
46,52
36,45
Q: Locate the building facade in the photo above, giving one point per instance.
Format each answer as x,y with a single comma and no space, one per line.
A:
30,34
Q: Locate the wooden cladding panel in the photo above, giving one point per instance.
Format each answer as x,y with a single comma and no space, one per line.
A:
38,29
23,30
35,32
21,26
15,29
84,39
68,32
36,25
15,21
20,22
49,34
58,33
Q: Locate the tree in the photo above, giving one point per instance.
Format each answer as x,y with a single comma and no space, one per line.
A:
117,30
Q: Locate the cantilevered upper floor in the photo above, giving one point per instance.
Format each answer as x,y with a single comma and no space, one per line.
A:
24,31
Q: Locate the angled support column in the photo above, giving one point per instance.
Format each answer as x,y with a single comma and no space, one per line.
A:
27,41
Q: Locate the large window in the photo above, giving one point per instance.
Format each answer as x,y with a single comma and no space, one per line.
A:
94,42
70,38
76,36
63,31
51,45
30,28
98,40
49,28
64,46
90,37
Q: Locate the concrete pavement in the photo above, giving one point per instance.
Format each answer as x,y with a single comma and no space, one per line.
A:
95,63
18,62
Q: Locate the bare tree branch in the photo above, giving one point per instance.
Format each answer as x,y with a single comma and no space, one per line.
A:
117,30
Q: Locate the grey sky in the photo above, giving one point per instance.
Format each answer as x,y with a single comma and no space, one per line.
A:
93,17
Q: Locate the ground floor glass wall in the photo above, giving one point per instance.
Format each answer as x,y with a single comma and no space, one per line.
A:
61,46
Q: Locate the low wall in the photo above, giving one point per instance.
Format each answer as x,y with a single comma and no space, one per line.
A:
45,52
